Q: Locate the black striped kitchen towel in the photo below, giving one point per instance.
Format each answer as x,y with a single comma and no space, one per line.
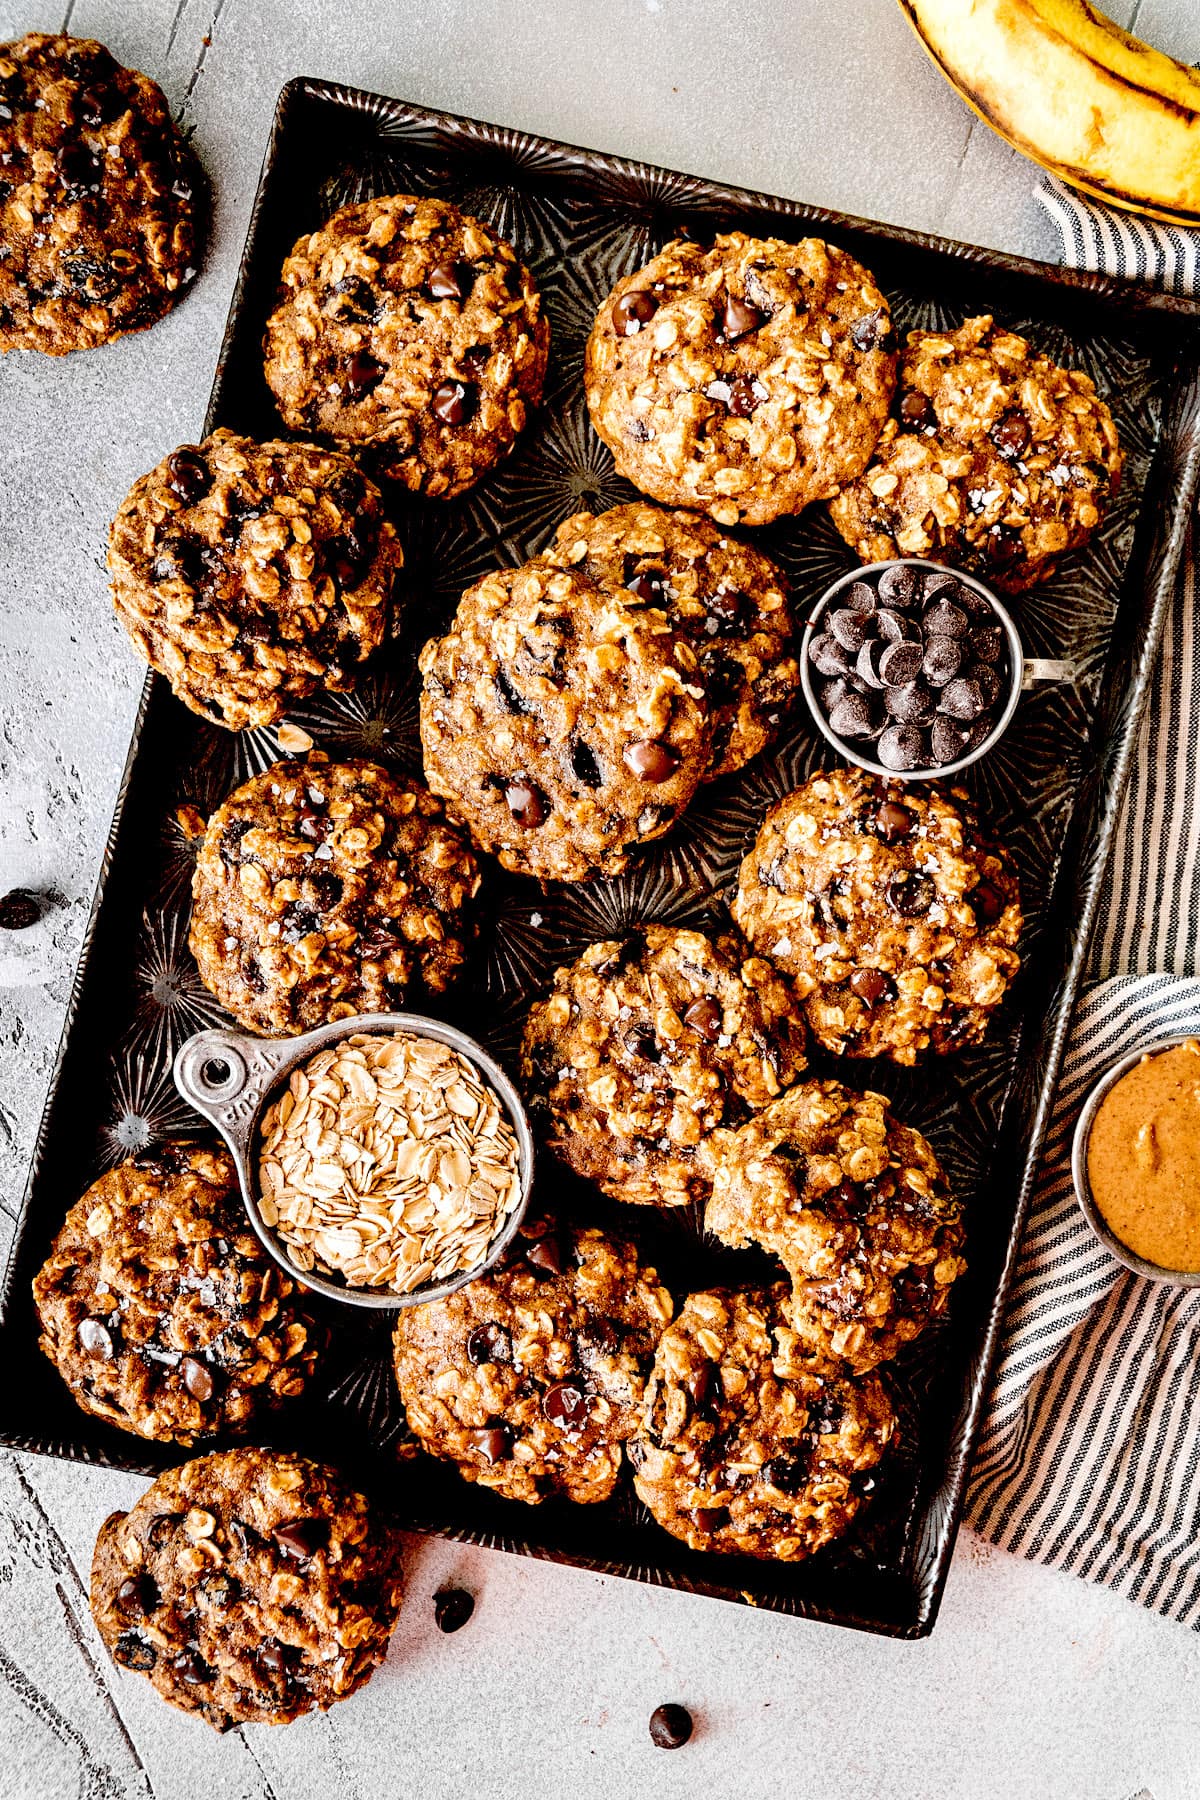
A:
1089,1454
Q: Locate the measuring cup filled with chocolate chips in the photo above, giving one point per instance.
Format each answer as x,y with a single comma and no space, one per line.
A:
385,1159
912,668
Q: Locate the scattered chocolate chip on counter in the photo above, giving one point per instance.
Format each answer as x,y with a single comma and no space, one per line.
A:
19,909
914,666
670,1727
452,1607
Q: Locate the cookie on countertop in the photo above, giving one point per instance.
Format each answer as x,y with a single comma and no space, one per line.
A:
564,723
893,914
746,380
995,459
161,1310
98,197
648,1045
249,1586
253,575
855,1206
407,327
751,1444
530,1379
326,889
729,601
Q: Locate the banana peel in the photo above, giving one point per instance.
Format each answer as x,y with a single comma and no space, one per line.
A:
1068,88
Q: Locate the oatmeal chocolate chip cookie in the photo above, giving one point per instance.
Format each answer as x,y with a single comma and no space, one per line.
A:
564,723
326,889
98,198
856,1207
749,1442
727,599
251,575
250,1586
995,459
647,1046
745,380
159,1307
894,916
530,1379
408,327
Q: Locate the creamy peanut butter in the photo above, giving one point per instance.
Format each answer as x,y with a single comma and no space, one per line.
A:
1144,1158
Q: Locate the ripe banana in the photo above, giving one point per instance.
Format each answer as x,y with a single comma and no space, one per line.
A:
1080,96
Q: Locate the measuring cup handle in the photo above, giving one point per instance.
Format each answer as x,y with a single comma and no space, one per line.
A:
1038,671
224,1076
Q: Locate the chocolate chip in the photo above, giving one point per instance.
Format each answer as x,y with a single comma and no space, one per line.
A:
739,397
872,986
488,1343
95,1338
451,281
1011,435
710,1518
705,1386
942,660
452,1607
853,717
831,692
363,375
725,612
526,803
916,409
893,627
859,597
649,586
944,619
132,1651
566,1405
740,318
188,475
79,171
987,643
962,699
359,302
988,902
911,703
454,402
867,662
300,1539
272,1656
191,1668
850,629
893,822
650,761
493,1442
584,764
946,741
788,1472
899,584
705,1019
546,1255
901,747
975,605
137,1596
987,681
901,663
197,1379
670,1727
911,894
19,909
867,331
827,655
641,1042
632,311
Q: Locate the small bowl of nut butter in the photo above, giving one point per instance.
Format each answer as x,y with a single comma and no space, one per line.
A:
1135,1160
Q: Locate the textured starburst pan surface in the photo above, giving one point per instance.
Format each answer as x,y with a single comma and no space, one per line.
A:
1050,791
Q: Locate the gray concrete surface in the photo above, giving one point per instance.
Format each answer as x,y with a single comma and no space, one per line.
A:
1033,1684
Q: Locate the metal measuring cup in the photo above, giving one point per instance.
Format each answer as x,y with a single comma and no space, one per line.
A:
230,1078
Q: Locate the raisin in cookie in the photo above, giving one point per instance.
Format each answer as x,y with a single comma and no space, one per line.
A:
252,575
856,1207
729,601
98,198
159,1307
249,1586
408,327
530,1379
749,1442
745,380
326,889
894,916
995,459
647,1046
563,723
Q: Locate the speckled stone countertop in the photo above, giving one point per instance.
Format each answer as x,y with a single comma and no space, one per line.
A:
1033,1684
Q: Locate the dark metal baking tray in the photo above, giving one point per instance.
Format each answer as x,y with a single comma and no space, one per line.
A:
1051,790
